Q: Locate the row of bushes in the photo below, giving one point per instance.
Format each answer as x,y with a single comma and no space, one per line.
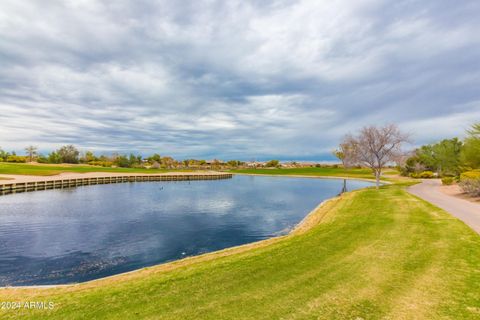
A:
15,159
470,182
448,180
101,163
423,175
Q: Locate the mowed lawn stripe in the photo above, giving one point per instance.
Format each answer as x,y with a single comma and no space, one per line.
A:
54,169
375,255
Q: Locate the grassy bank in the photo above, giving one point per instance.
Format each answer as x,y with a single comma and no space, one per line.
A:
49,169
53,169
370,254
320,172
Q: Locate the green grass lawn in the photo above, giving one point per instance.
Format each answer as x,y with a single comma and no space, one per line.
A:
368,255
324,172
48,169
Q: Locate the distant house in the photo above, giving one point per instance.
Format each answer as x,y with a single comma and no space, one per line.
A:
215,162
307,164
288,164
254,164
299,164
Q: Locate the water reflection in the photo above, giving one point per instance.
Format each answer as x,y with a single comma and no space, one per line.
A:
344,187
71,235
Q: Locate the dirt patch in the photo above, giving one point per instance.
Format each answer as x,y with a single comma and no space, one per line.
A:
456,191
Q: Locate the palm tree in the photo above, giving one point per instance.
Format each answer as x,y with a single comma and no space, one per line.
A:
31,152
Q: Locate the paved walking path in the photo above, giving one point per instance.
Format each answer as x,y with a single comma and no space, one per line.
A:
467,211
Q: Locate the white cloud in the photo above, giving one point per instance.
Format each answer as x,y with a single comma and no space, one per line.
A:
233,79
452,125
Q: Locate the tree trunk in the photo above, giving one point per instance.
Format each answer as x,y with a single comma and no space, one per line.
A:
377,178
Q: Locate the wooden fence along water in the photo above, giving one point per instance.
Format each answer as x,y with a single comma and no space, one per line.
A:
9,188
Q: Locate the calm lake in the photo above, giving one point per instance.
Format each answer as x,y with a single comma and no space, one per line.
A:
84,233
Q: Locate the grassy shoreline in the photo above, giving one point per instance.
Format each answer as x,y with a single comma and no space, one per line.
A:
54,169
369,254
383,181
324,172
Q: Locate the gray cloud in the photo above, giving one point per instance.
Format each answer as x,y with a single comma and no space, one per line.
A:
236,79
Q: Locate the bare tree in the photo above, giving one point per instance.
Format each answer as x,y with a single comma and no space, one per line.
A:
401,158
375,147
31,152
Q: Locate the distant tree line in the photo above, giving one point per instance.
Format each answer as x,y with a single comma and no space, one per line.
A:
446,158
11,157
71,155
453,160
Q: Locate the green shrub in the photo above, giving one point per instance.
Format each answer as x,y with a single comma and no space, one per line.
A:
470,182
474,174
426,175
101,163
448,180
272,163
422,175
17,159
42,159
403,171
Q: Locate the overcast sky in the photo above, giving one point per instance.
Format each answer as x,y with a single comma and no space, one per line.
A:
234,79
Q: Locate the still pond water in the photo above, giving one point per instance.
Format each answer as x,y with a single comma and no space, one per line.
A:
84,233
